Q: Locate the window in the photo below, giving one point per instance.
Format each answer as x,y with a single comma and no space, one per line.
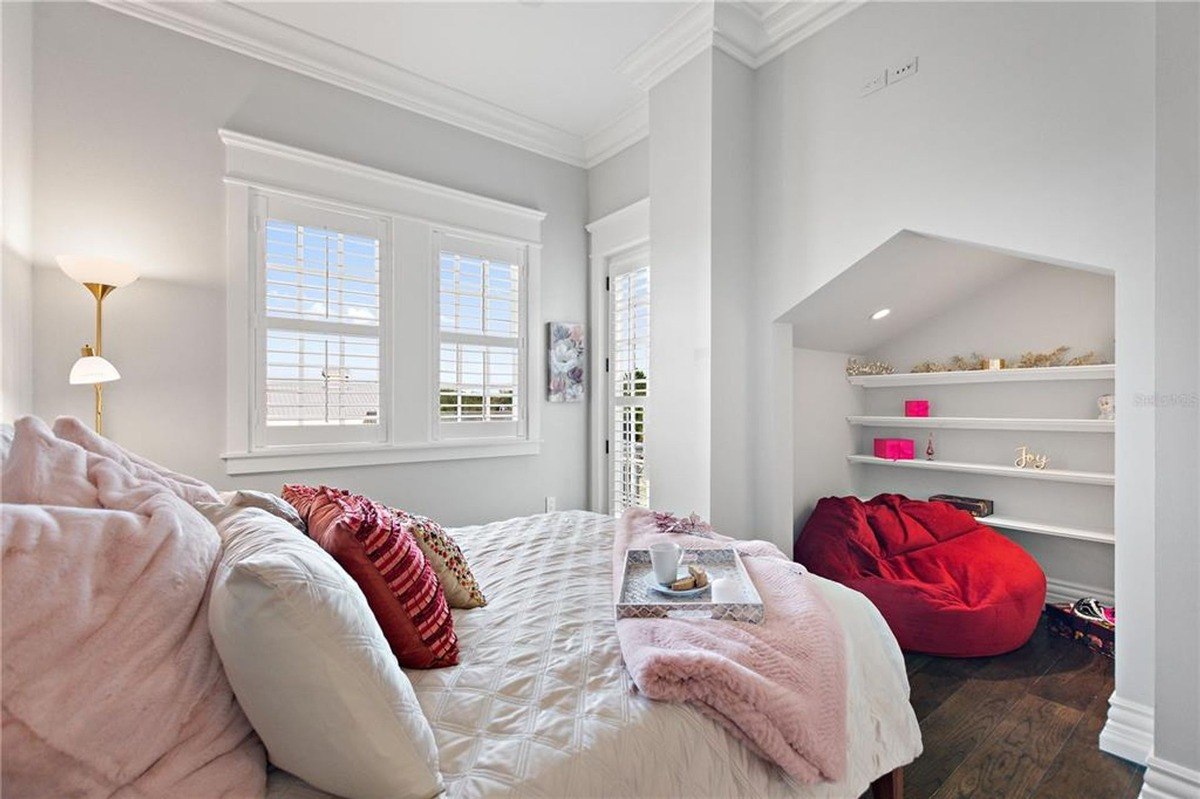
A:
480,338
373,318
629,382
320,352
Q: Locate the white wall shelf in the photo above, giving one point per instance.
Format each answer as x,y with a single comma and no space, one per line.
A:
1042,528
1093,372
985,423
1059,475
1059,531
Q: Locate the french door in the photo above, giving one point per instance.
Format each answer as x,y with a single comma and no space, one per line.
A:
627,367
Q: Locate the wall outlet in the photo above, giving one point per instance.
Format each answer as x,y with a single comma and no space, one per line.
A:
551,504
873,83
901,71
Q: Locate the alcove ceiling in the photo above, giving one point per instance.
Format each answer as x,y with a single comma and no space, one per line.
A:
915,275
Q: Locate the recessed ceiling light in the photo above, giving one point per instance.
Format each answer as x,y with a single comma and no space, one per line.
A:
882,312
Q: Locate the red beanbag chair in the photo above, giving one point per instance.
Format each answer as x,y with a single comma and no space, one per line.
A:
946,584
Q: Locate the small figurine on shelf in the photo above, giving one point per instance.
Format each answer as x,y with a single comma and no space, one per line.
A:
929,448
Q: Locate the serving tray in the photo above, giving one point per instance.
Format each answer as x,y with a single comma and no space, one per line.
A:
637,600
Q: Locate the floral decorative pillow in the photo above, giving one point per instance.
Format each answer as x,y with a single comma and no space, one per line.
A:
462,590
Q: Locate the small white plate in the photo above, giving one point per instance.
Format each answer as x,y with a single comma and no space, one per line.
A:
655,585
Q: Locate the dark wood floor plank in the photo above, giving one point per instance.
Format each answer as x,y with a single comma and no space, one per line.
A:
1082,771
1024,725
1018,753
937,680
957,727
913,661
1076,679
1034,659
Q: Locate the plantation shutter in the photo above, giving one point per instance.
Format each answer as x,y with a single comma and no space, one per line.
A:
321,326
629,382
481,348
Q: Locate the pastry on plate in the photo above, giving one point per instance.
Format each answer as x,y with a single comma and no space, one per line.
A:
684,584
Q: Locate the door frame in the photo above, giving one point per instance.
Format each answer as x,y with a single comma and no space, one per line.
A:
611,237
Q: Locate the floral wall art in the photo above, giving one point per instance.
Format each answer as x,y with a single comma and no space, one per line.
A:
566,362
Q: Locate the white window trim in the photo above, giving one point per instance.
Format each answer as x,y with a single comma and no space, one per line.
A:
256,165
611,238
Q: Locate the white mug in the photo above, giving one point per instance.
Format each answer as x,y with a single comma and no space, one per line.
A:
665,556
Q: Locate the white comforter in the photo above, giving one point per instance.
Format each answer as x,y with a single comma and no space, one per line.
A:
541,704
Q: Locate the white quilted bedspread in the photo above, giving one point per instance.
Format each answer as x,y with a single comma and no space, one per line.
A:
541,705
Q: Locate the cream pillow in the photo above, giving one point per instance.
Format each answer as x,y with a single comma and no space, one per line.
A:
310,666
272,504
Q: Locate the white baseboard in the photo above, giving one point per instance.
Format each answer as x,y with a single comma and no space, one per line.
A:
1167,780
1129,731
1059,591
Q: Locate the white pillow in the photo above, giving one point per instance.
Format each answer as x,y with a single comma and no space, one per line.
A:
310,666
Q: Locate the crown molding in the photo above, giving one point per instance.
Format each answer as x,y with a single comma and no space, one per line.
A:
786,24
738,32
251,34
683,38
630,127
751,33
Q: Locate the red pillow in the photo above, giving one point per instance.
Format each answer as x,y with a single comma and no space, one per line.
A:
383,558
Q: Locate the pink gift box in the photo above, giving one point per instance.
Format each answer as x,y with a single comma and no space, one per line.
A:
916,407
894,449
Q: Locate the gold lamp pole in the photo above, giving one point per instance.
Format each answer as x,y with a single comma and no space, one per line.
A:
100,276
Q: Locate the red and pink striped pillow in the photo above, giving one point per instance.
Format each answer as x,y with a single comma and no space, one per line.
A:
402,589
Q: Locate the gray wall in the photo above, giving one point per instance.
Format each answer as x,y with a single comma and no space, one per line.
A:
1177,438
732,241
619,181
678,416
16,163
128,164
823,399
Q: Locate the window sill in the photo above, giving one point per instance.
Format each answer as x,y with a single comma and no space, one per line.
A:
291,459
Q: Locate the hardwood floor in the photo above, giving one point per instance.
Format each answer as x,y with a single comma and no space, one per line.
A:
1023,725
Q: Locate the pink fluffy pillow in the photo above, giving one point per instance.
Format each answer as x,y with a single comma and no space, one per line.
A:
186,488
112,684
42,469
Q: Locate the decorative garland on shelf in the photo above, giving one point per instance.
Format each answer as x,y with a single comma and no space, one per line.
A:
1028,360
855,367
977,363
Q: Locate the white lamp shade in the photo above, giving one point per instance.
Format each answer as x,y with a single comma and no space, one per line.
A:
91,369
97,269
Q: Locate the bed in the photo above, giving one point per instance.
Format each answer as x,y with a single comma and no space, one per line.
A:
541,705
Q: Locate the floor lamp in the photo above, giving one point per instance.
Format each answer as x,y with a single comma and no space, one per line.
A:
100,276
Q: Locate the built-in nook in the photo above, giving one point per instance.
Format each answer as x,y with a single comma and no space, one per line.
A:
949,298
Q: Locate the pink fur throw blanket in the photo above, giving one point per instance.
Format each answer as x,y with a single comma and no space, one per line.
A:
111,683
779,685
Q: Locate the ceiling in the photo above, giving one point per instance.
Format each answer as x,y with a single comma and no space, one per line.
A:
563,78
917,276
551,62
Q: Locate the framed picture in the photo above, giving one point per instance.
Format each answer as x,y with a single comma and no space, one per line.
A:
566,363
